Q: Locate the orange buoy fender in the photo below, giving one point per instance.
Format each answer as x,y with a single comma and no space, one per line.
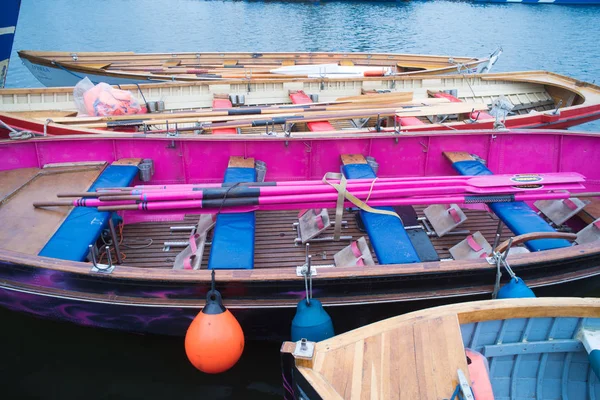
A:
480,376
214,342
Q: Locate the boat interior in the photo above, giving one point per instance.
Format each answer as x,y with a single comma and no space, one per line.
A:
270,239
517,348
195,65
278,110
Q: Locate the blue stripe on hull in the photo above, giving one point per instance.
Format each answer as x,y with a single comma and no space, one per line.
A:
8,22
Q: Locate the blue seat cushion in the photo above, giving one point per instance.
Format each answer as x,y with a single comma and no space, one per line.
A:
386,233
233,238
83,226
517,215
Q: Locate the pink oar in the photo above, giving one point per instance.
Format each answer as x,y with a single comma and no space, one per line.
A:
477,180
233,205
276,195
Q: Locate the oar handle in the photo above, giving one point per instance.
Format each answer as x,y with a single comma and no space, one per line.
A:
53,203
118,197
118,208
82,194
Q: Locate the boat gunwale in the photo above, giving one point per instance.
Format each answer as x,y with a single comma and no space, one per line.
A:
268,302
326,135
475,311
289,273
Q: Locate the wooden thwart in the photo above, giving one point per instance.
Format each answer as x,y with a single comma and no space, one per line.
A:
240,162
353,159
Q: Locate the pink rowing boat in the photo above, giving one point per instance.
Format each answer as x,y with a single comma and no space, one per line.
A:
54,261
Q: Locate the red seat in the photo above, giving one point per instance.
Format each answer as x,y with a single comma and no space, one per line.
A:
409,121
474,115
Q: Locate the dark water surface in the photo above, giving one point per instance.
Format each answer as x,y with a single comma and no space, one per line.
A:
42,359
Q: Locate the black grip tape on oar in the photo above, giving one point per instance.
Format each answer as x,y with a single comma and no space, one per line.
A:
229,202
231,192
245,111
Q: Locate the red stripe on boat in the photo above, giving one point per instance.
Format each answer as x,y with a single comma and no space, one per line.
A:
409,121
474,115
223,103
299,97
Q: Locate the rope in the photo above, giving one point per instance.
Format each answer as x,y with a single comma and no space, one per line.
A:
341,188
15,134
225,196
370,190
142,93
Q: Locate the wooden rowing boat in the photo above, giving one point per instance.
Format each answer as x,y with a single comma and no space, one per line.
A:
46,267
67,68
535,99
517,348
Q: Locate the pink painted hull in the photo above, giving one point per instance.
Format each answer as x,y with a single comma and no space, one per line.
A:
203,159
162,301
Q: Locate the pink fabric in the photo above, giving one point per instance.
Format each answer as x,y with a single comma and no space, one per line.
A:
357,253
473,244
569,203
193,245
597,224
454,215
320,223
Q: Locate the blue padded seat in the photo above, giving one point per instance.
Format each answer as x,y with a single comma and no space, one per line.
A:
233,238
83,226
386,233
517,215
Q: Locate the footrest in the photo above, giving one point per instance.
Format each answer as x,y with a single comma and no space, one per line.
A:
312,223
356,254
589,234
191,256
444,217
560,211
473,247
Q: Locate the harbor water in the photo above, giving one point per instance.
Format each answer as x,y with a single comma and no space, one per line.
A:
53,360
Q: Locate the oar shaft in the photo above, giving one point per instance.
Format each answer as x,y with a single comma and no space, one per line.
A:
235,205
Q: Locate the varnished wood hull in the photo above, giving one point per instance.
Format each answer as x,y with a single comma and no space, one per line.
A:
55,69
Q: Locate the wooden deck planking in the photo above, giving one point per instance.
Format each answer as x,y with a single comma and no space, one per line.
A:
12,180
418,360
274,241
26,229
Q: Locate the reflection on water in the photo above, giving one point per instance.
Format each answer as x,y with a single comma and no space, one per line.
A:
55,360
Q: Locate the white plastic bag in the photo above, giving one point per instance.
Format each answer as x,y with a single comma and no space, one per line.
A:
103,100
